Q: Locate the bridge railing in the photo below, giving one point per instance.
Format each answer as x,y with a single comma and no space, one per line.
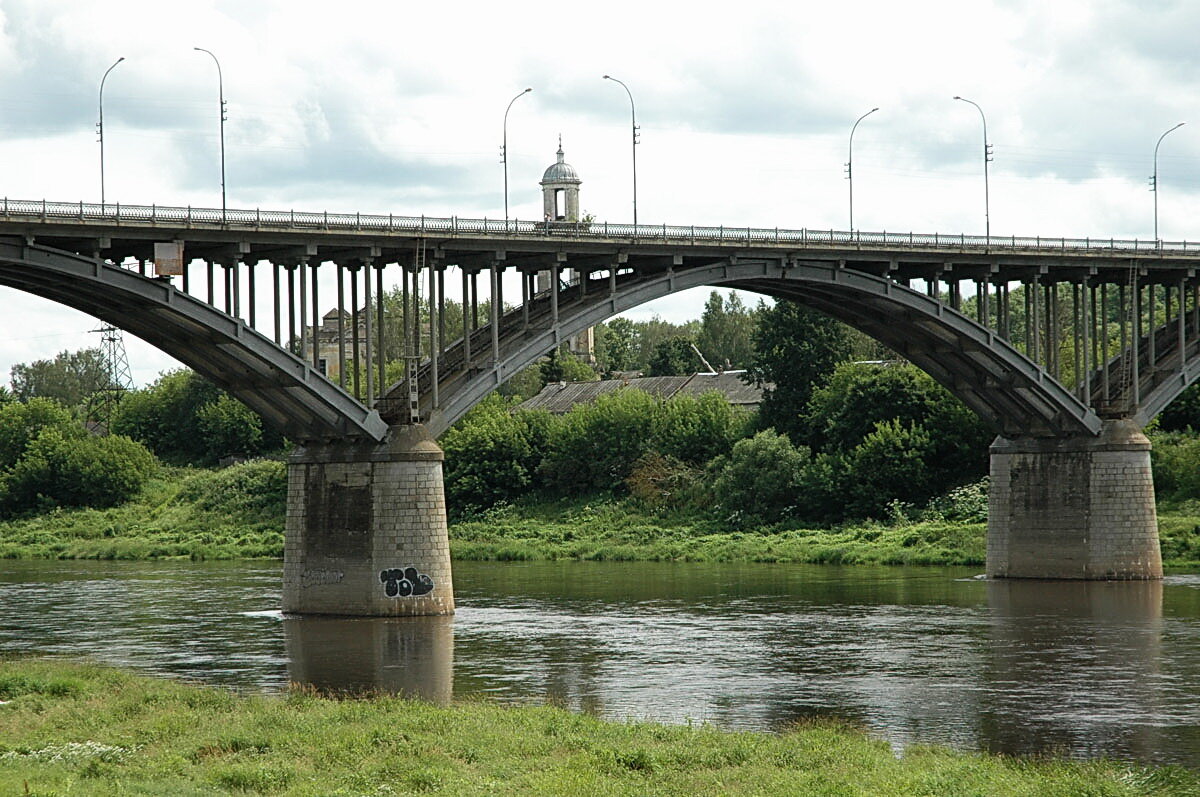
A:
116,213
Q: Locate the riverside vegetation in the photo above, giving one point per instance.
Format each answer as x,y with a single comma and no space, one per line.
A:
82,728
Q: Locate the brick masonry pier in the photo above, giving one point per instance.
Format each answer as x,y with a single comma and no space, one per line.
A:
1079,507
366,528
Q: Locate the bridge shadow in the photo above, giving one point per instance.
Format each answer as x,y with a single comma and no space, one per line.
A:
409,656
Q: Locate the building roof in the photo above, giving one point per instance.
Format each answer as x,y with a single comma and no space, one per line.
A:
559,397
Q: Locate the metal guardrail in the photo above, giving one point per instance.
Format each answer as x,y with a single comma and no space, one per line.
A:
45,211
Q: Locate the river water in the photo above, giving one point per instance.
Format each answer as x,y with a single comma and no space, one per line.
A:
916,655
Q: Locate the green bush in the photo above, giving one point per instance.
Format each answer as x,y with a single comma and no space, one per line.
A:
594,446
21,423
760,479
492,455
255,489
61,470
186,420
1175,459
887,466
696,430
229,427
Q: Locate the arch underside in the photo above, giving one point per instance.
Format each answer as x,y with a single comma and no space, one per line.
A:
1009,391
1161,378
289,394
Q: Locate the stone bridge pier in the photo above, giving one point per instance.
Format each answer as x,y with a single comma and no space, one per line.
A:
1079,507
366,528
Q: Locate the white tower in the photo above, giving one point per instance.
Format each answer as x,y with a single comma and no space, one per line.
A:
560,203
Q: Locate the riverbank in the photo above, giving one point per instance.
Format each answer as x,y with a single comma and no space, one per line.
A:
68,727
237,513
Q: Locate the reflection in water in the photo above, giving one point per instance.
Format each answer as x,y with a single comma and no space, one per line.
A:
411,656
1074,666
915,655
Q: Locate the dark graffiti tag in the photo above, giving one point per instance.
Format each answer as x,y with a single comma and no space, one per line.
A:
404,582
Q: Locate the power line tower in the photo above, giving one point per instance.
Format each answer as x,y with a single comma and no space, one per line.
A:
119,379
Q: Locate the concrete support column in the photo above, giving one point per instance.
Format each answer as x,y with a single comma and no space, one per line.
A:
366,529
1073,508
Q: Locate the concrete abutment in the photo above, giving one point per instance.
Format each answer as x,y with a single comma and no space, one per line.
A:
366,529
1073,508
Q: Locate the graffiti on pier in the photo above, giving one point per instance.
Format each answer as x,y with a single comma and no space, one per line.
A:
404,582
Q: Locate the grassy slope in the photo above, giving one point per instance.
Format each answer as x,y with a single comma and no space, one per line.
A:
238,513
83,729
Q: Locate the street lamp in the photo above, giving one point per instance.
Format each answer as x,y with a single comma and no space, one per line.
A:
987,156
633,117
100,127
221,96
850,164
504,152
1154,178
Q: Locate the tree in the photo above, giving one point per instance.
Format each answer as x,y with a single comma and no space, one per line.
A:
795,349
727,331
759,480
562,366
21,423
492,454
70,378
186,420
654,331
59,469
617,347
6,396
674,357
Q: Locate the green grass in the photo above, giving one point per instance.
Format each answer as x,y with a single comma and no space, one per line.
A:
85,729
237,513
616,530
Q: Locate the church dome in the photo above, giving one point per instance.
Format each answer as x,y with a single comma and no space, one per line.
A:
560,172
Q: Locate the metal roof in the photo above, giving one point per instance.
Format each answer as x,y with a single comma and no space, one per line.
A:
559,397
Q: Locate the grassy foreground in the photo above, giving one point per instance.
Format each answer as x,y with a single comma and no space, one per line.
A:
84,729
237,513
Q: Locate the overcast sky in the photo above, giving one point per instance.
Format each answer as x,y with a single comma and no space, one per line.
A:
745,112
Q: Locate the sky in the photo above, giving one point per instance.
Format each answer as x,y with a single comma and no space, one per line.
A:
745,113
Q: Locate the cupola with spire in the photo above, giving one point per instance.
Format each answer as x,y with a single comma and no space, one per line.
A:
560,190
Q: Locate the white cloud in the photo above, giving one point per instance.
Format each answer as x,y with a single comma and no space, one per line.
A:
745,113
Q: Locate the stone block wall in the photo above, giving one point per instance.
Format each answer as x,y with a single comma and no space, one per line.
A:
1080,508
366,529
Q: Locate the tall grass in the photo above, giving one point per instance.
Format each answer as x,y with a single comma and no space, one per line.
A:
83,729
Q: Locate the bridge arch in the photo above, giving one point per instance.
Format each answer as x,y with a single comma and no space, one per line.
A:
290,394
992,377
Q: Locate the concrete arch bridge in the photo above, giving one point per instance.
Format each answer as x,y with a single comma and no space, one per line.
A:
1066,347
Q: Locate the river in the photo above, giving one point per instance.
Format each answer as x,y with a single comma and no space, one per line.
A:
915,655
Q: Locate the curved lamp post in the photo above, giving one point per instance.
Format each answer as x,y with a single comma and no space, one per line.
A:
1154,178
100,127
850,164
504,152
987,156
504,155
633,117
221,97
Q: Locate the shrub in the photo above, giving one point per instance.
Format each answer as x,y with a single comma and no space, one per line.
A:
227,426
21,423
760,479
58,470
696,430
492,455
659,482
888,465
594,446
1175,459
176,419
